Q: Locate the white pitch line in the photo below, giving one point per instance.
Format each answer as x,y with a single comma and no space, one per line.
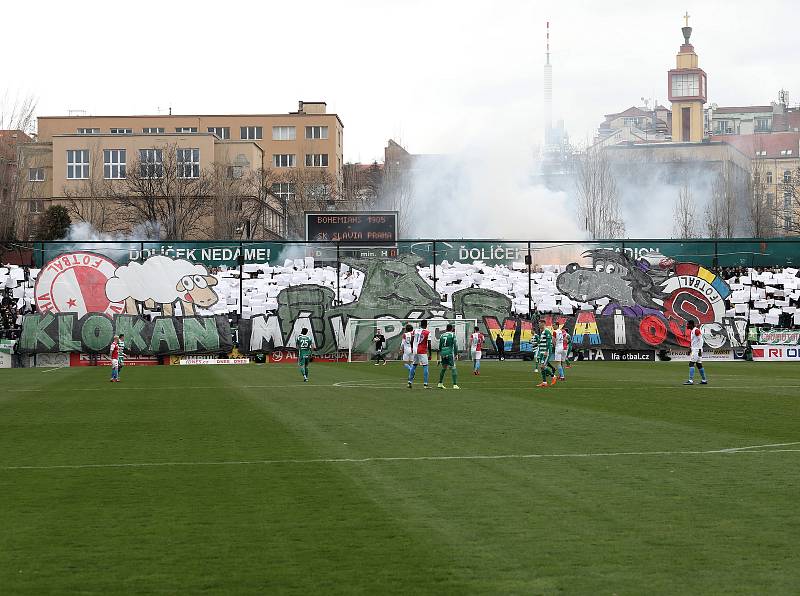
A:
56,368
347,460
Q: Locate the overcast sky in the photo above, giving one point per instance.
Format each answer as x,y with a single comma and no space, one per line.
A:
432,74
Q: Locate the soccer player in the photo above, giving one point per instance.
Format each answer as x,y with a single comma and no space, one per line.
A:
407,346
559,350
380,341
448,349
696,356
475,348
420,349
121,345
303,344
114,353
544,349
568,355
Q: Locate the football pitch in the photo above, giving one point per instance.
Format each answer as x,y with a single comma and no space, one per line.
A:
245,480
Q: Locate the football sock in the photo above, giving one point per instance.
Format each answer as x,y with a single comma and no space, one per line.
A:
425,374
703,373
454,374
560,371
441,374
691,373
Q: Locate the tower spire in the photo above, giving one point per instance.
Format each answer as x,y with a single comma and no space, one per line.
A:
548,89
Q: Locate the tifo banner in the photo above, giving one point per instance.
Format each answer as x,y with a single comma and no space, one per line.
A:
785,337
776,353
615,300
93,333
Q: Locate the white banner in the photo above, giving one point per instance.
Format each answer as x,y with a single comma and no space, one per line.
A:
210,360
776,353
718,354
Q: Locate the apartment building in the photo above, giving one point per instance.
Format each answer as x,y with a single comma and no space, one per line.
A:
72,154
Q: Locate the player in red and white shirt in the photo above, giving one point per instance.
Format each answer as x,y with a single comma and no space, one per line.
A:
114,353
696,354
420,350
475,349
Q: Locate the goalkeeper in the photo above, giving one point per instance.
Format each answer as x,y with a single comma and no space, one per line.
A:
447,355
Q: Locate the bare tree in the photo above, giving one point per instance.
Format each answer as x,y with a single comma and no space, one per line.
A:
598,195
164,196
90,201
17,121
397,193
684,213
727,193
760,216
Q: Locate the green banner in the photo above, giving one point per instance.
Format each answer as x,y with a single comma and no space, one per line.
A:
93,333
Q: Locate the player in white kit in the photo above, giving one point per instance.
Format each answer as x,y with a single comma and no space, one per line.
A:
476,349
406,345
696,355
559,350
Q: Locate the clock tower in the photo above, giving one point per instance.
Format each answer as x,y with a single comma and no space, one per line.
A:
687,92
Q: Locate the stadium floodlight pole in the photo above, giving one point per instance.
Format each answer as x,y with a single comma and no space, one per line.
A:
434,266
241,278
338,274
529,262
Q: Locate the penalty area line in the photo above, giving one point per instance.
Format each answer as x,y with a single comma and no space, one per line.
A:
361,460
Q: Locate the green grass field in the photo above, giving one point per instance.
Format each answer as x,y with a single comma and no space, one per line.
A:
244,480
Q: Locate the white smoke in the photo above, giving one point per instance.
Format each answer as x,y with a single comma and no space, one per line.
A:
488,189
85,232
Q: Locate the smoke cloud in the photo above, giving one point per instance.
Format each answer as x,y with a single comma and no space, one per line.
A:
488,188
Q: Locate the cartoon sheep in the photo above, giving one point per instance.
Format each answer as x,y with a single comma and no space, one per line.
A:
162,281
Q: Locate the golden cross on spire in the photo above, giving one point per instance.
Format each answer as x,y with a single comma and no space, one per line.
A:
686,19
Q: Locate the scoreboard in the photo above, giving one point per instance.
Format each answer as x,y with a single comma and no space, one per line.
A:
372,228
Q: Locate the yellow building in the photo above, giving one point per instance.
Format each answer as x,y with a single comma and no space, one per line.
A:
76,156
687,90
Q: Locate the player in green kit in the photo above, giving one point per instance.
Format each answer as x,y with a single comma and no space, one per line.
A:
447,355
544,349
303,344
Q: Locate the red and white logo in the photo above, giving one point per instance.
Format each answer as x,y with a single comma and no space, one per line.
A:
76,282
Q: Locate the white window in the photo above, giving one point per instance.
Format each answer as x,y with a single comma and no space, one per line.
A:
88,131
316,132
223,132
763,124
251,133
114,163
316,160
761,153
685,85
186,129
283,160
121,131
188,163
36,206
787,176
769,177
36,174
284,133
77,164
783,152
153,130
151,163
284,191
